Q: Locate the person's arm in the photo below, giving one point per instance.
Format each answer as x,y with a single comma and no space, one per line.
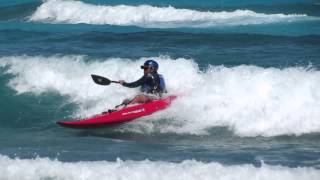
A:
134,84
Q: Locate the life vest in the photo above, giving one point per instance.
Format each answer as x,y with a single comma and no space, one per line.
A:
163,88
156,85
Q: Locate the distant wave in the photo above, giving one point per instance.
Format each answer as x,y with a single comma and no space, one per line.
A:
249,100
44,168
74,12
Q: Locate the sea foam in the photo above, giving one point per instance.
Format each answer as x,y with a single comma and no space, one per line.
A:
44,168
75,12
249,100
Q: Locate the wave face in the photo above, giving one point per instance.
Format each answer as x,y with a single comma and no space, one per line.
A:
249,100
75,12
44,168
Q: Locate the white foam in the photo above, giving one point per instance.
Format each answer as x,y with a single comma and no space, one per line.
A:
44,168
74,12
249,100
70,76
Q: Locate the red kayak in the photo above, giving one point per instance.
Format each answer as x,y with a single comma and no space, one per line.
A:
120,116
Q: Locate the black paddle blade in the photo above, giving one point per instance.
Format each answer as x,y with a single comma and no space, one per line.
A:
100,80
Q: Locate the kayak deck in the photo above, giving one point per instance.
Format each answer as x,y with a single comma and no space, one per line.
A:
121,116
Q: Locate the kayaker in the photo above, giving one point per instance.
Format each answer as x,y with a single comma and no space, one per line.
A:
152,84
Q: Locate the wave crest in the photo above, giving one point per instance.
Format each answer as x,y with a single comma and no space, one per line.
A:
249,100
44,168
74,12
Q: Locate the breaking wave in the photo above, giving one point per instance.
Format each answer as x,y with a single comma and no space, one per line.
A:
75,12
249,100
44,168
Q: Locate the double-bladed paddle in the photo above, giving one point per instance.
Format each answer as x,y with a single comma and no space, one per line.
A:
102,80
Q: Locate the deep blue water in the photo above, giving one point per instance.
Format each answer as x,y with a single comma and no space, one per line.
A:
250,78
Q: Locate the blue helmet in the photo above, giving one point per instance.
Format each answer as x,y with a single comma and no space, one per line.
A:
150,63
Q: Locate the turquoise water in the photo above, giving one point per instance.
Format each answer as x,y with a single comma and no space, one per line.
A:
248,75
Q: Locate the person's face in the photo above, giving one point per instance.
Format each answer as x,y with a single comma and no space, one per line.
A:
147,70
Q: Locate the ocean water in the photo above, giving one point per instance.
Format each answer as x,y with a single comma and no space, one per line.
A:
247,72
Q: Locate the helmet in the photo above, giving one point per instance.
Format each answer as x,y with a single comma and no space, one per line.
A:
150,63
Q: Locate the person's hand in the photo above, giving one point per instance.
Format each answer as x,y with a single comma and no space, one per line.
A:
121,82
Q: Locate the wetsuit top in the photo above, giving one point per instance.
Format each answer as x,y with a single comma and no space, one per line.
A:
150,83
